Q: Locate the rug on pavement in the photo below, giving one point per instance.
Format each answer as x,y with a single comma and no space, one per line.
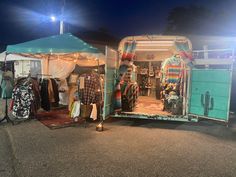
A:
56,119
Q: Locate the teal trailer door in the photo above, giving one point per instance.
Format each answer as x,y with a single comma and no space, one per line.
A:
109,79
209,94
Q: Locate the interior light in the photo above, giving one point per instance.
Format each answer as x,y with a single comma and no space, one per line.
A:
143,49
155,42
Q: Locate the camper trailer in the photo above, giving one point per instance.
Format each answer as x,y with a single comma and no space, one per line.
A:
158,78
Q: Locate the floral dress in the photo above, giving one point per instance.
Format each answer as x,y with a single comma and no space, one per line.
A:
23,97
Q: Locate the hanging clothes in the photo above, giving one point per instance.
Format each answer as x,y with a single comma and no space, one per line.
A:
117,99
91,91
129,96
94,112
171,70
7,88
7,85
50,91
71,93
55,90
45,103
127,57
184,51
23,97
37,100
173,73
75,109
129,51
63,92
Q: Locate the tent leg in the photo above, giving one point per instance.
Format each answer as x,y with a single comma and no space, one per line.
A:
6,117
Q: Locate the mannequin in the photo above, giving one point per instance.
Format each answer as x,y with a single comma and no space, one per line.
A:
7,85
7,88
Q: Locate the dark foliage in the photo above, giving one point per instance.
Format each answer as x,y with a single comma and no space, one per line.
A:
198,20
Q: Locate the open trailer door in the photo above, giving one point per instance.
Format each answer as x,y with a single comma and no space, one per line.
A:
210,90
111,64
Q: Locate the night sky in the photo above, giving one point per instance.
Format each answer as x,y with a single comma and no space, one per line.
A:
23,20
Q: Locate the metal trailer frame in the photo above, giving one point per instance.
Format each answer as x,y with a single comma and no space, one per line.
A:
186,117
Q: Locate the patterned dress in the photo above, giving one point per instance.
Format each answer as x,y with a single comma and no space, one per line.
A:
23,98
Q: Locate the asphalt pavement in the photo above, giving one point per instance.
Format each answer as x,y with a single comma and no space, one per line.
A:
129,148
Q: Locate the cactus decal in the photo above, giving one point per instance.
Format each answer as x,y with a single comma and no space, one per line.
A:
207,102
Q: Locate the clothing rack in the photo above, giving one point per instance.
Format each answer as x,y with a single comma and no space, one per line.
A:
6,117
49,75
43,76
24,74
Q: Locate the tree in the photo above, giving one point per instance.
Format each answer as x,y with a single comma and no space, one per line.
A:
198,20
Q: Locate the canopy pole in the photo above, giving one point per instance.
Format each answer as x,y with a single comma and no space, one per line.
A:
47,65
99,127
100,110
5,62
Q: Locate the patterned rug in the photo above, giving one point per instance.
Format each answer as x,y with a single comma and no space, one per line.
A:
57,119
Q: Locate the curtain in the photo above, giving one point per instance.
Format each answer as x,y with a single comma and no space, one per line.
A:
60,68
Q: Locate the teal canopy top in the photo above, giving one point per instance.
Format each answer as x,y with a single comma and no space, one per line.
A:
64,43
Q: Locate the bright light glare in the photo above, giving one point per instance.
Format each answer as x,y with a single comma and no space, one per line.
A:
53,18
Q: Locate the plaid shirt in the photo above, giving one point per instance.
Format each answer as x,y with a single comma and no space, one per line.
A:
90,93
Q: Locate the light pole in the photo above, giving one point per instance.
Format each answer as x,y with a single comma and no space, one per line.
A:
61,19
61,26
53,18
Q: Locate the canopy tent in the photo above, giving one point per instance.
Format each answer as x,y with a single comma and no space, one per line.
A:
64,43
58,50
13,57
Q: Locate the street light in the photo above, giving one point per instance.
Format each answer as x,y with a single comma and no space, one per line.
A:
54,19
